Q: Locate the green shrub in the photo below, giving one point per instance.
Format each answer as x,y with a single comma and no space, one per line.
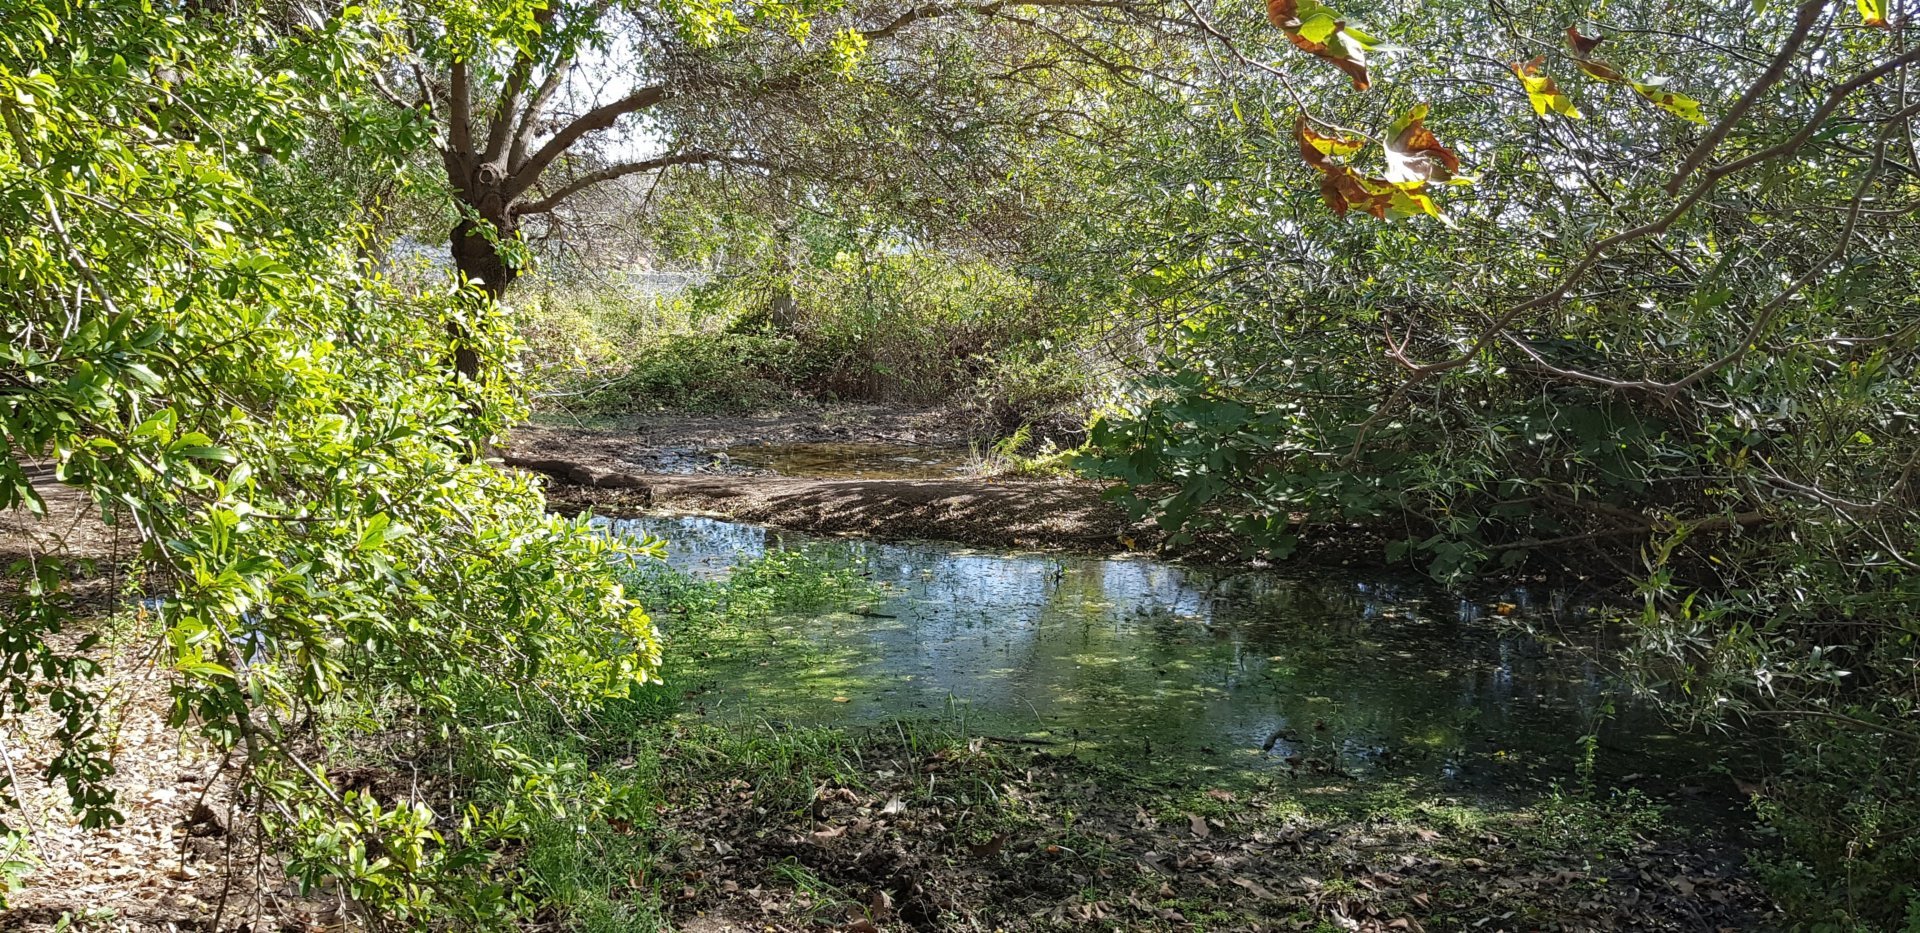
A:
717,372
908,328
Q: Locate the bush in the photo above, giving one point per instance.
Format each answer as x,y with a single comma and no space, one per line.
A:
1847,807
279,431
908,328
717,372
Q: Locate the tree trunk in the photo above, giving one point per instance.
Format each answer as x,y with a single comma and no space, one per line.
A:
479,260
784,309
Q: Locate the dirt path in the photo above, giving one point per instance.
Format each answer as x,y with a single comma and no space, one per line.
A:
70,529
982,510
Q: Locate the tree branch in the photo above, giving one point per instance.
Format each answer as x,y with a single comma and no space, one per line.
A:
599,118
530,117
1599,249
554,200
426,90
1802,27
500,127
936,11
460,110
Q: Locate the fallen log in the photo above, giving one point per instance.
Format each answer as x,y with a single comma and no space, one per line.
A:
579,474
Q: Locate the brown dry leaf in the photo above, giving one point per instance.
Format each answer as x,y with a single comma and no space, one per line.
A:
1673,102
1414,154
893,807
1355,69
1345,189
823,836
1317,31
1583,47
1198,825
1255,887
1221,795
987,849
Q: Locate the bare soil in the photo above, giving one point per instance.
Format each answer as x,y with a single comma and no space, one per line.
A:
815,422
984,510
187,851
71,528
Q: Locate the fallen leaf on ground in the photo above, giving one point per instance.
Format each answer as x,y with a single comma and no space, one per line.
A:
987,849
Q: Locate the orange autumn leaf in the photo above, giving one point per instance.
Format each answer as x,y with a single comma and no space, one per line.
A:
1414,154
1280,13
1583,47
1345,189
1318,31
1673,102
1316,146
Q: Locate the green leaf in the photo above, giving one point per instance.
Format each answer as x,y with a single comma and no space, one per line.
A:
1673,102
1545,95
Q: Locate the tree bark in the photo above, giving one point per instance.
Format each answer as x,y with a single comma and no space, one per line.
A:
475,254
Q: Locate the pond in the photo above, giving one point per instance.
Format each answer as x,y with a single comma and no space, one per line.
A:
1154,664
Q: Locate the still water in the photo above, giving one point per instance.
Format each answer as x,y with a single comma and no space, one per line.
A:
1159,664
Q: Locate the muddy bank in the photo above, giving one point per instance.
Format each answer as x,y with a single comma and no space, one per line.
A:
1011,513
682,442
619,471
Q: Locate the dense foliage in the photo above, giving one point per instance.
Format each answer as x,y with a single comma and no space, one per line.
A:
1659,337
1623,289
272,426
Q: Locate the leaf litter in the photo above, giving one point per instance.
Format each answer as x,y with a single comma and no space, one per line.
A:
1023,839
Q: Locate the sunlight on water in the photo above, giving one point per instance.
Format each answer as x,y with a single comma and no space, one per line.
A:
1145,660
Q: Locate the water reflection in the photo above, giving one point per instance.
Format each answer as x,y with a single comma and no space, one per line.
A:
1141,659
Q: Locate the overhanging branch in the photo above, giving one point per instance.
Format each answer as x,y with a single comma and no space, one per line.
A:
530,117
599,118
937,10
611,172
